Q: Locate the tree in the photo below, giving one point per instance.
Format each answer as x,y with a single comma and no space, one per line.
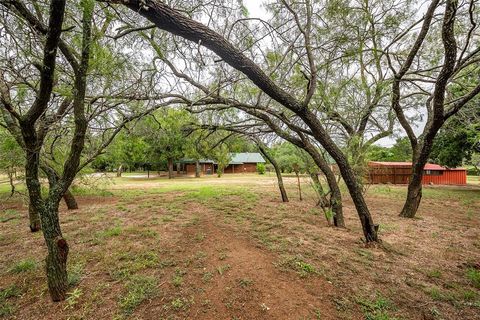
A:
174,22
11,157
459,139
59,104
165,133
431,83
400,151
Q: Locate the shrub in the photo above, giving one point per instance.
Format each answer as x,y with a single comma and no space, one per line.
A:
261,168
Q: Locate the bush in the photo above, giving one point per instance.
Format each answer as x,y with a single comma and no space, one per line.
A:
261,168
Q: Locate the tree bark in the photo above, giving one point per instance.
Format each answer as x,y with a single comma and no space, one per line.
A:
56,261
119,171
70,200
34,219
299,186
170,168
197,169
278,172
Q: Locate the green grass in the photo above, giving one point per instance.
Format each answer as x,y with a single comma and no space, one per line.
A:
138,289
22,266
126,264
377,309
6,308
473,275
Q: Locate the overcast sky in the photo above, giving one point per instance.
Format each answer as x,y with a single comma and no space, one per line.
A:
256,10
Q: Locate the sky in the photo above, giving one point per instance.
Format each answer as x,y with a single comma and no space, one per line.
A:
256,10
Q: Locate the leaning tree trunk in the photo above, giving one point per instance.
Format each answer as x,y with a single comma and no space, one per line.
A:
34,218
70,200
336,196
170,168
197,169
278,172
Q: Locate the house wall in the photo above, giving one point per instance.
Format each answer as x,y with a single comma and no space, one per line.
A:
241,168
448,177
401,175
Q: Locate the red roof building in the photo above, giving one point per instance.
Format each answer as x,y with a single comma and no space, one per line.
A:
399,173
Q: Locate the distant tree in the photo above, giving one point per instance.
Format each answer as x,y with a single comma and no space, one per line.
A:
166,134
459,139
11,157
400,151
222,156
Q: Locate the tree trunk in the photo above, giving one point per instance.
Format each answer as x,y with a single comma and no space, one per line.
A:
274,163
34,218
170,168
56,261
414,193
299,186
335,196
197,169
119,171
70,200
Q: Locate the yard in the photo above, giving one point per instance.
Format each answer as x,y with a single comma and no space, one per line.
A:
228,248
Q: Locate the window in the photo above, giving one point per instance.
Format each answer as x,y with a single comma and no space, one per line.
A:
433,172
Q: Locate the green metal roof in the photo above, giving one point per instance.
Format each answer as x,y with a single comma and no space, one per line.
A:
246,157
236,158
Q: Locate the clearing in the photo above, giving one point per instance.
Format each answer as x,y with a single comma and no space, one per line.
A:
228,248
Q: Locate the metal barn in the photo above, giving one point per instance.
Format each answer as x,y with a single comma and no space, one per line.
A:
399,173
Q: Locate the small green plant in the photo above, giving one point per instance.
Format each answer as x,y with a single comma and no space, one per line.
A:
434,274
75,272
180,304
221,269
138,288
245,282
112,232
474,276
6,308
305,268
24,266
177,278
377,309
207,276
72,298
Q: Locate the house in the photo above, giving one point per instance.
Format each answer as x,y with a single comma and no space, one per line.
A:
399,173
243,162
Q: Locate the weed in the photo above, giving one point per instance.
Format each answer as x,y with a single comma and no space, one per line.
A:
180,304
24,266
75,274
207,276
6,308
112,232
474,276
222,269
434,274
72,298
138,288
177,278
377,309
245,282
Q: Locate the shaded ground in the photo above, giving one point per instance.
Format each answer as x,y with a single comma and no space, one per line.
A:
229,249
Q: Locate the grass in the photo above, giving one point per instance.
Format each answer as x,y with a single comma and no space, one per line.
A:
22,266
7,308
377,309
138,289
473,275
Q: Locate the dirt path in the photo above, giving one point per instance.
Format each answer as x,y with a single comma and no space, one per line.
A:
228,276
